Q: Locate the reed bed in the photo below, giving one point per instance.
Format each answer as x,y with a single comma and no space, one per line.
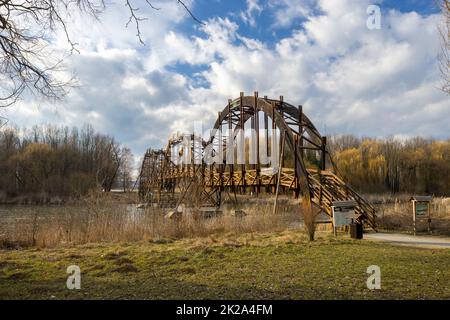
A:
100,221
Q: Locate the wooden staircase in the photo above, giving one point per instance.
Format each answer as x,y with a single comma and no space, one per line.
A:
326,187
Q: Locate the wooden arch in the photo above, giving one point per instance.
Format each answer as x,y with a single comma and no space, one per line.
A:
299,132
320,186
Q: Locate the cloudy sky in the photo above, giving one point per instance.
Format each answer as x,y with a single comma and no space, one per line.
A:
318,53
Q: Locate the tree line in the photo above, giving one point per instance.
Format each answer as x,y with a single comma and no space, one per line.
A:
370,165
415,165
59,161
62,161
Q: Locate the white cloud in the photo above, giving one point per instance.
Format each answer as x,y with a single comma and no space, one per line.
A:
286,12
253,8
349,79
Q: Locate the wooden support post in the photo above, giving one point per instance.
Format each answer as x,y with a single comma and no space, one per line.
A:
161,177
274,137
266,138
296,177
414,216
266,133
281,105
192,157
251,146
320,194
333,221
211,175
220,155
429,217
258,165
182,157
202,163
324,152
230,145
279,173
300,129
242,141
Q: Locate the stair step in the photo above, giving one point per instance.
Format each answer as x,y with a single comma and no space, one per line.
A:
328,187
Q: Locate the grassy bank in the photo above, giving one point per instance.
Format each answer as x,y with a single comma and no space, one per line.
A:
279,265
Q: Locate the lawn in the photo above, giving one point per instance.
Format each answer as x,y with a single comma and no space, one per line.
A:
251,266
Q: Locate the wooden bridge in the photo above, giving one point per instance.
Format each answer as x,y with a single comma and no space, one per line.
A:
202,173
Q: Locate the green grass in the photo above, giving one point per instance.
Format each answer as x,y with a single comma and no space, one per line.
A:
259,266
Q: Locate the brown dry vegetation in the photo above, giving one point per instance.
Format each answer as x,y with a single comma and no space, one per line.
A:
114,218
395,214
106,220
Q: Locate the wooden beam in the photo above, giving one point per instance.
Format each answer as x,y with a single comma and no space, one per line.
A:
242,140
279,172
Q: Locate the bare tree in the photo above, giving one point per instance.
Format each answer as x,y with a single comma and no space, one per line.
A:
125,169
444,57
26,61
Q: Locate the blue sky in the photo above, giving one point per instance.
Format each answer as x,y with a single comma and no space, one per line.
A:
264,28
206,9
318,53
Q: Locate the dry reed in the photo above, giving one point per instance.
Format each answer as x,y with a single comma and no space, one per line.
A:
109,222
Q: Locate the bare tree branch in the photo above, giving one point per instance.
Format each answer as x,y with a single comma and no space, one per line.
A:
134,17
27,64
190,12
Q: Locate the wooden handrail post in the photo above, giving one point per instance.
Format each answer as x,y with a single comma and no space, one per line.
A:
324,152
279,172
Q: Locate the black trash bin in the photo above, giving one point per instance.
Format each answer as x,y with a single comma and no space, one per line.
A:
356,230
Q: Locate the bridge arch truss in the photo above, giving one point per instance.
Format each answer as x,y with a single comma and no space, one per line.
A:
185,171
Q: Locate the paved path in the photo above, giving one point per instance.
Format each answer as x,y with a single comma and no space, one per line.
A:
434,242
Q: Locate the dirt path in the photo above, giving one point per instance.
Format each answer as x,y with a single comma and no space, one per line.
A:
434,242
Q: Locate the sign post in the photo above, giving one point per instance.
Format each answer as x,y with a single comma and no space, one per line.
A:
421,208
